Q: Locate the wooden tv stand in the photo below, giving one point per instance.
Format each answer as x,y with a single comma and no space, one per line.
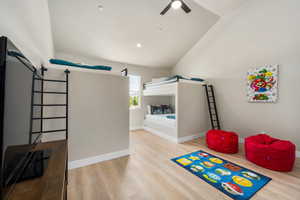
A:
53,184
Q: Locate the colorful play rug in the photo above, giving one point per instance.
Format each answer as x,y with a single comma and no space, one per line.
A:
235,181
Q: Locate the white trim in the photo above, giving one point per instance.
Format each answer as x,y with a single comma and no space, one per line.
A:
241,140
135,128
138,107
190,137
96,159
161,134
174,139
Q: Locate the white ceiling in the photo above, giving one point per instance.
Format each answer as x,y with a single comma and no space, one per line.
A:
220,7
80,28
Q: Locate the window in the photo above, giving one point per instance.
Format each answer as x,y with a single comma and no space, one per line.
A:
134,91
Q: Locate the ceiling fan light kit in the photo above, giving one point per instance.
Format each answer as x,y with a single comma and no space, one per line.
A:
176,4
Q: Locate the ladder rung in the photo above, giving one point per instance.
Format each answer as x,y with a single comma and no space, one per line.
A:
49,105
50,80
50,92
38,118
50,131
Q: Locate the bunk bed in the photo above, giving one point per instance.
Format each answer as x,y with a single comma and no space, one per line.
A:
172,79
190,117
168,120
168,86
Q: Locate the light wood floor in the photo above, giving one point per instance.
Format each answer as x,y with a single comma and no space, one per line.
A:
149,174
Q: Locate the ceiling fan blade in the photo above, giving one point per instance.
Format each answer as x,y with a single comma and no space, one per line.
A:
185,7
166,9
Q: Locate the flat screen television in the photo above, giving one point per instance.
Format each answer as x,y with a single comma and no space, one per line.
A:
18,78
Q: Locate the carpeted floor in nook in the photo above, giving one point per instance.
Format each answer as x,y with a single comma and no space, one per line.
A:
150,174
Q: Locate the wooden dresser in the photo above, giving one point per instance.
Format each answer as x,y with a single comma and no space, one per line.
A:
53,184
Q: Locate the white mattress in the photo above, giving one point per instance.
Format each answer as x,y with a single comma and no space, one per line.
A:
161,120
158,84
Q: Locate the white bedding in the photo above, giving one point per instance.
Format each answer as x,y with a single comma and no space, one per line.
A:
159,84
161,119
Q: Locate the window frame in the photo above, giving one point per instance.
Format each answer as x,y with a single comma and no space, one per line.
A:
137,93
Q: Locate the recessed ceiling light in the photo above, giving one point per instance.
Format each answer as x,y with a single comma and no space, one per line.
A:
100,7
139,45
176,4
160,28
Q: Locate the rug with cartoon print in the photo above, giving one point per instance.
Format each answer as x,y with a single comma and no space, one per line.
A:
236,181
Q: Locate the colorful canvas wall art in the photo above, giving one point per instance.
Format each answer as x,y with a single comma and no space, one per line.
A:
262,84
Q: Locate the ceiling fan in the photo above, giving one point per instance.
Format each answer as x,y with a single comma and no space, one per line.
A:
176,4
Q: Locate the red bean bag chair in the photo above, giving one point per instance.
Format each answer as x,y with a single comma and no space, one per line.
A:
222,141
271,153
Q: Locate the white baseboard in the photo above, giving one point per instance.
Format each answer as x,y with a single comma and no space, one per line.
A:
190,137
241,140
161,134
96,159
135,128
174,139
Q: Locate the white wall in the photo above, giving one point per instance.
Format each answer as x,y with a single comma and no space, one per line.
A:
146,73
27,24
98,112
260,32
191,106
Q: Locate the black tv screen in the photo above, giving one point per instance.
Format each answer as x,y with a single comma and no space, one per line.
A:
16,79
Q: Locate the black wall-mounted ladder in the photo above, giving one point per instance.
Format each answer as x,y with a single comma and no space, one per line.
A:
41,105
212,107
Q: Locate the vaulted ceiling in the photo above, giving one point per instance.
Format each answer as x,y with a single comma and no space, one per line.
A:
220,7
113,30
